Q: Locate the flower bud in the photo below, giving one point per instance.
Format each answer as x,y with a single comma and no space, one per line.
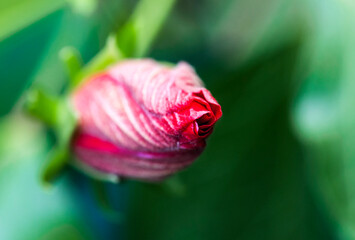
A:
142,119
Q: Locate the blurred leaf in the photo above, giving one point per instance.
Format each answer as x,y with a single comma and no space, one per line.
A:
19,55
141,29
323,117
18,14
84,7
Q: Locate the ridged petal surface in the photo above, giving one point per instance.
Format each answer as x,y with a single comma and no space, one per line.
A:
142,119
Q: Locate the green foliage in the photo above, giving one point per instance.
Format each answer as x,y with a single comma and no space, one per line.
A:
324,117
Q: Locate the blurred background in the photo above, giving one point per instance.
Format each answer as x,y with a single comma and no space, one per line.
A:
279,165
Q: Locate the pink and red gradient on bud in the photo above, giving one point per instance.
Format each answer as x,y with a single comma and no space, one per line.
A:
144,120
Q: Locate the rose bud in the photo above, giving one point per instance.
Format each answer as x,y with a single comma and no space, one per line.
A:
142,119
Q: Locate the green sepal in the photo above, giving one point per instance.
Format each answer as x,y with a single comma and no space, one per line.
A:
55,165
42,106
57,114
107,56
72,61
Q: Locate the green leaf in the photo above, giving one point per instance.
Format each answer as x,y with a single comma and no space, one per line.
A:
84,7
323,116
18,14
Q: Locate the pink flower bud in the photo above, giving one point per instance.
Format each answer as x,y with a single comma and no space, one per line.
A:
142,119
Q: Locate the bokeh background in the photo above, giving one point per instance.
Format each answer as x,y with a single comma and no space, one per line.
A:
279,165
